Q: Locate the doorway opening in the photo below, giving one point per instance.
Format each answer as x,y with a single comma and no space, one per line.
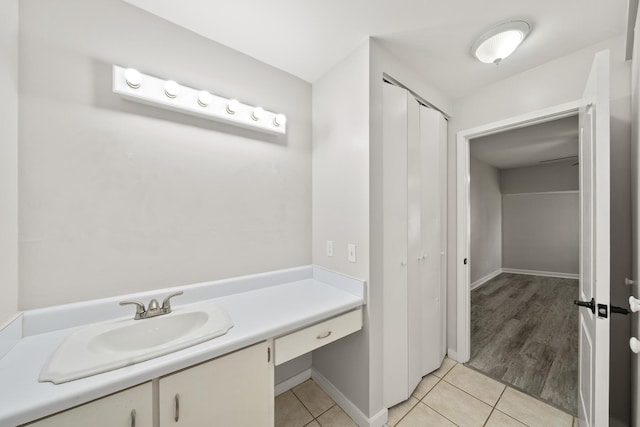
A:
501,275
524,258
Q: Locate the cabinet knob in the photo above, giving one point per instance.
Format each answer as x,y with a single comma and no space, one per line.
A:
133,418
323,335
403,263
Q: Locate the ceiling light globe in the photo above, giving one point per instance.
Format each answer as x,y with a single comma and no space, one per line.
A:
499,42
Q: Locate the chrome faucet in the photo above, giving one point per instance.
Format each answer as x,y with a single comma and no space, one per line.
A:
154,309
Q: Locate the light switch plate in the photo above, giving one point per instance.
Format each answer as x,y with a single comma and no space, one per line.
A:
351,252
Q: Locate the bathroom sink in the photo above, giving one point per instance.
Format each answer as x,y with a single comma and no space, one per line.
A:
105,346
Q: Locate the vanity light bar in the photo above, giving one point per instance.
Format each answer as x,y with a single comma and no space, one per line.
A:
170,95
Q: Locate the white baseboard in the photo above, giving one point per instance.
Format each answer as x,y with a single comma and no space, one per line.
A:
485,279
541,273
378,420
290,383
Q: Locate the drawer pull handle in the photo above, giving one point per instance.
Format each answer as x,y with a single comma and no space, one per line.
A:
133,418
323,335
177,413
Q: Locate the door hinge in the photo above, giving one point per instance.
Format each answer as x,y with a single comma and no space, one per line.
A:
268,354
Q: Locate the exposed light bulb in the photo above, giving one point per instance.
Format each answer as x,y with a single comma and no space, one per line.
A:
171,88
232,106
133,78
257,114
279,120
204,98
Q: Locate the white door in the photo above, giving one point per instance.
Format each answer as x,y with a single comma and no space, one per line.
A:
593,409
433,131
395,299
414,150
415,278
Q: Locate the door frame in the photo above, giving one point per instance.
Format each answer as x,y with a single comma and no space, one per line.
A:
463,225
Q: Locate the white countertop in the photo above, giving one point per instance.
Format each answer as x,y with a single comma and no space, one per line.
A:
258,314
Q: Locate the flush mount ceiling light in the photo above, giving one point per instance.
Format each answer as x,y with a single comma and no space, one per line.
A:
500,41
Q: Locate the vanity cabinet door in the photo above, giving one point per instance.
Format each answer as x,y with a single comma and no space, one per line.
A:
129,408
232,390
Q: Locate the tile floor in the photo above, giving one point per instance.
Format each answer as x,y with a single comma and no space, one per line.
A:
454,395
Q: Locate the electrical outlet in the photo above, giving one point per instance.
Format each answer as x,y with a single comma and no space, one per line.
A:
329,247
351,252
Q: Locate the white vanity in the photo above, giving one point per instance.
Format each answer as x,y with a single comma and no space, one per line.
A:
227,380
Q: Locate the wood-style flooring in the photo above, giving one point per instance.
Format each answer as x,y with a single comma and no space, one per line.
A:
524,332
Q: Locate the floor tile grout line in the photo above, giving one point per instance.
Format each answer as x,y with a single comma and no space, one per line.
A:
303,405
327,410
467,393
308,410
436,411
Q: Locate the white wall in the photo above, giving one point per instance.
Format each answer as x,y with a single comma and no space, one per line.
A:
8,160
554,83
486,219
562,176
541,218
341,206
117,197
541,232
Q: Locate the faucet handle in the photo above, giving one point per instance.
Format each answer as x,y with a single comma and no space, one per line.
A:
166,303
139,307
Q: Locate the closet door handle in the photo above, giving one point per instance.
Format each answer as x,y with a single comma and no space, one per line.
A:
177,409
133,418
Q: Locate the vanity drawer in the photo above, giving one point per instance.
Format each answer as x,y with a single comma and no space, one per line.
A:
303,341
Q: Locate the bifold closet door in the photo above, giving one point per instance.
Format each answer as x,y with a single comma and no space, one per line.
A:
433,160
395,299
413,238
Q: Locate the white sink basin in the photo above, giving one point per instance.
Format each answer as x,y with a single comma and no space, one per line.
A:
114,344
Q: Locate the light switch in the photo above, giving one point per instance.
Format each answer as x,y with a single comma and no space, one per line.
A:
351,252
329,247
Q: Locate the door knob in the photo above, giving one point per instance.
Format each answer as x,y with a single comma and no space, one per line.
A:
589,304
635,345
634,304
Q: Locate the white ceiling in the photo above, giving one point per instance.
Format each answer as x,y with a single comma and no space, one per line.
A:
307,38
528,146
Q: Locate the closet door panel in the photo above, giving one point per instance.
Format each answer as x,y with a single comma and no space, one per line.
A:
431,339
415,255
395,297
